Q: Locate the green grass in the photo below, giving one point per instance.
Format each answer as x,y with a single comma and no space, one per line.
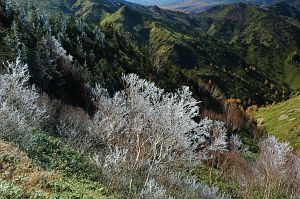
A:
214,177
48,168
282,120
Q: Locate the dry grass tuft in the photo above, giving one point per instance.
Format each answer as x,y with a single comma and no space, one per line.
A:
16,167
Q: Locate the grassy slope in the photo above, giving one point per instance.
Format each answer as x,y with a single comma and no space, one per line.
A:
49,169
282,120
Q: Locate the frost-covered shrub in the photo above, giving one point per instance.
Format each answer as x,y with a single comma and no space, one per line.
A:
153,190
274,174
273,156
183,186
144,129
235,143
210,139
155,125
296,167
73,123
20,105
58,52
115,161
11,122
295,176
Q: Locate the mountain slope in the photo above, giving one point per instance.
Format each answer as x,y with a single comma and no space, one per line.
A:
282,120
265,39
255,34
205,55
237,47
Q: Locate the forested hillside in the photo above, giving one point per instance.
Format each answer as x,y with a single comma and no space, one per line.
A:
111,99
253,46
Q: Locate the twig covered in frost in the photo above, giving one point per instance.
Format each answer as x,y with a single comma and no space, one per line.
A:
154,191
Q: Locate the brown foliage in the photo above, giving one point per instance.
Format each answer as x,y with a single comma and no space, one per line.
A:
232,116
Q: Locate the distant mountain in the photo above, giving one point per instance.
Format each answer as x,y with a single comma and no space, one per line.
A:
287,9
154,2
196,6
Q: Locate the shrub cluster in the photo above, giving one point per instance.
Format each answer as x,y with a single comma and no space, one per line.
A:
143,140
21,107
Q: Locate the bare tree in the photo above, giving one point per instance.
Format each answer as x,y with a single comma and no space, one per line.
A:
275,172
21,106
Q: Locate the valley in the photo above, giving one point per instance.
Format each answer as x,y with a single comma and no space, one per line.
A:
149,99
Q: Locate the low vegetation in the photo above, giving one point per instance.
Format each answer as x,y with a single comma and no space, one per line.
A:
31,176
282,120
